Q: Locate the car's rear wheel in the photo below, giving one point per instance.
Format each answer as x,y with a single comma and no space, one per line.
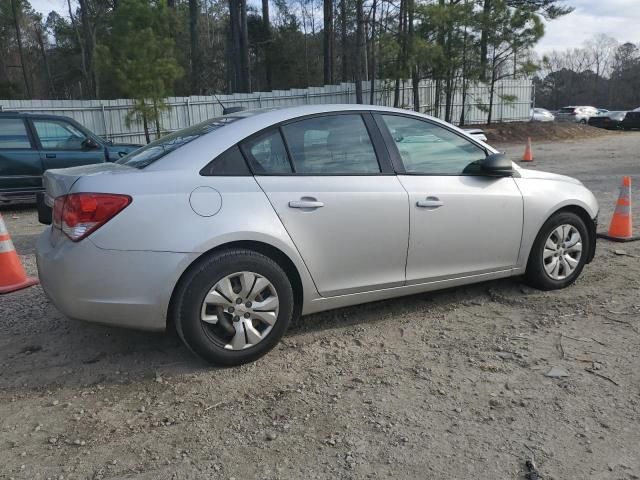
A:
559,252
233,307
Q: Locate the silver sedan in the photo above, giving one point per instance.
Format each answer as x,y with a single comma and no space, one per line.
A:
231,228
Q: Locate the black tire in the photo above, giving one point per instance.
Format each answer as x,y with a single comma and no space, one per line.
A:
583,121
536,275
201,278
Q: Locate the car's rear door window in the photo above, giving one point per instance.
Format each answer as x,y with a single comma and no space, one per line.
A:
13,134
267,154
331,145
429,149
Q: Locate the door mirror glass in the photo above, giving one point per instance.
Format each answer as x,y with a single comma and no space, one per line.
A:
497,164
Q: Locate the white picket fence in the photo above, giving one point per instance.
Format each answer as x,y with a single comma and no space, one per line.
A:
107,118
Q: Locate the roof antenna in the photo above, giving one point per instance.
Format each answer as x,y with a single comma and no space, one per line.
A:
227,110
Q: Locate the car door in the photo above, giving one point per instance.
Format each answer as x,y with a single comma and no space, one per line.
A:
462,223
20,165
333,188
63,145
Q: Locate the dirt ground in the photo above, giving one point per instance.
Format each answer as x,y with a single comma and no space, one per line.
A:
542,131
445,385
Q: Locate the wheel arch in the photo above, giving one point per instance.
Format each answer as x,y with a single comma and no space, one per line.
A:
584,215
274,253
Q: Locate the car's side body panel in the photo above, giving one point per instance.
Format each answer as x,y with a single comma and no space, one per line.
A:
476,229
357,240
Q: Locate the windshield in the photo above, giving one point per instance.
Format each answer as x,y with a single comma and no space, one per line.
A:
155,150
567,110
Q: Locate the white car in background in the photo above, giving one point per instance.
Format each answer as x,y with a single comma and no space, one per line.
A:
577,114
476,133
541,115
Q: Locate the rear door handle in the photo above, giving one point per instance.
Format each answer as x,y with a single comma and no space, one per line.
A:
430,202
306,203
50,155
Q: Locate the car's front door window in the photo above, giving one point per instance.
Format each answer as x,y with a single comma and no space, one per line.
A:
59,135
429,149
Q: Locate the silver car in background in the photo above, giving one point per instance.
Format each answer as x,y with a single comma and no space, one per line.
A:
233,227
541,115
576,114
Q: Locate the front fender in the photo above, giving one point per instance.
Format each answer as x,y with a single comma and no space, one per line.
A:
544,197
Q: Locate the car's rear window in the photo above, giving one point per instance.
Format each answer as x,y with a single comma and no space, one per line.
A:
566,110
156,150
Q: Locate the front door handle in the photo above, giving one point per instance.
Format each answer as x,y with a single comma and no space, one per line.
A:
50,155
306,202
430,202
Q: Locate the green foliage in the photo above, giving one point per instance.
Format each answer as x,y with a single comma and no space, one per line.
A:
140,54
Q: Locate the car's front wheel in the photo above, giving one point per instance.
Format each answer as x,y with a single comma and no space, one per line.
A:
559,252
233,307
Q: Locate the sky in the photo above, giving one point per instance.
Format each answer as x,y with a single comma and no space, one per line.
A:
616,18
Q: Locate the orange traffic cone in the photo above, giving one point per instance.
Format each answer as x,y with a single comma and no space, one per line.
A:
621,227
12,274
528,152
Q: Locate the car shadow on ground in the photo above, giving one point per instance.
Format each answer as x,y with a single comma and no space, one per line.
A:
51,351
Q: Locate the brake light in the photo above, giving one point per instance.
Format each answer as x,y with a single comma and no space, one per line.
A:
573,113
80,214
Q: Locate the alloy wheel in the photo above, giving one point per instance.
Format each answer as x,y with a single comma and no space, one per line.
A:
562,252
240,310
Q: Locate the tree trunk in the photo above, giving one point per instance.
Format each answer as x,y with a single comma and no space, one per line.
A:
326,38
157,120
464,76
266,25
45,59
83,61
410,55
491,93
145,126
484,38
401,53
196,61
234,65
245,75
359,49
16,21
343,38
372,77
89,50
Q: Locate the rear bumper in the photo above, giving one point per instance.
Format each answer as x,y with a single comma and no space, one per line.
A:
128,289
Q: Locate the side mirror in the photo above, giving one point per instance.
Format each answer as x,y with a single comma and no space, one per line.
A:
90,144
497,165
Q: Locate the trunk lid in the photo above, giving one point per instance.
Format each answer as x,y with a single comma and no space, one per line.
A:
60,181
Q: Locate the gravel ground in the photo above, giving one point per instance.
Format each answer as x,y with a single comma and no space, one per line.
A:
441,385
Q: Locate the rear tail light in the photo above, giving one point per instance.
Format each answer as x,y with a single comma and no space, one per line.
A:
573,113
80,214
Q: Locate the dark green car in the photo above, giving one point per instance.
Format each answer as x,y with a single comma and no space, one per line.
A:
33,143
